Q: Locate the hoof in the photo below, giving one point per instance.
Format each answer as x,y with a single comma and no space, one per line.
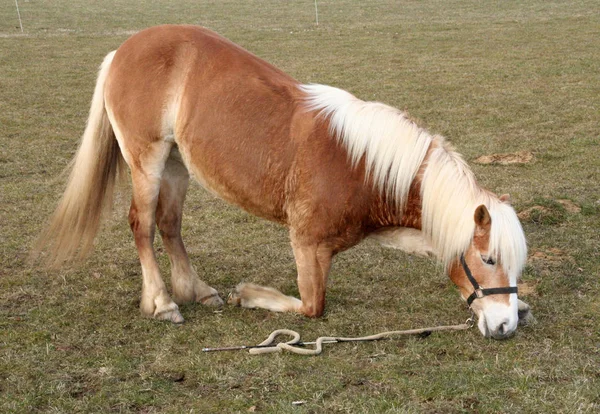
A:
211,300
235,298
169,314
243,294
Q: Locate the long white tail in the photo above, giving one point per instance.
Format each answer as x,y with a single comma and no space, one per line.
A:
93,173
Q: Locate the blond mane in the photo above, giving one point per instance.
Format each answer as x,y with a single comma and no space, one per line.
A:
394,148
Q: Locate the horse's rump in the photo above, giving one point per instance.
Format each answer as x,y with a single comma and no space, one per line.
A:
215,101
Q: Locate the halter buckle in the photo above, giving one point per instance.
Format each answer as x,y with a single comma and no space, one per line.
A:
479,293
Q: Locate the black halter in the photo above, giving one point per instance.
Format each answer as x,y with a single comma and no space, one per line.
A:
479,291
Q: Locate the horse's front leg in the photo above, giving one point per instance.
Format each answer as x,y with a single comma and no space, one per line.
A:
313,263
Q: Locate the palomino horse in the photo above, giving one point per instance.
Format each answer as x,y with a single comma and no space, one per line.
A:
175,101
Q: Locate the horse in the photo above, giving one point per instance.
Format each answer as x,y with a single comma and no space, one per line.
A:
180,101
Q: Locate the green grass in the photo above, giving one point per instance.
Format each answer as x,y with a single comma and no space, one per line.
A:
493,78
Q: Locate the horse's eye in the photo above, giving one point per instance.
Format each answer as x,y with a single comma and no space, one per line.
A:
488,260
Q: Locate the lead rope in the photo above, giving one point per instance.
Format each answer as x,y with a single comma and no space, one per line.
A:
293,344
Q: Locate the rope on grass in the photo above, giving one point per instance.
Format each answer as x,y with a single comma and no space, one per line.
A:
293,344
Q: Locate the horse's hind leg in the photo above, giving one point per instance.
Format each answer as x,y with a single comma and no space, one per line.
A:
187,287
146,173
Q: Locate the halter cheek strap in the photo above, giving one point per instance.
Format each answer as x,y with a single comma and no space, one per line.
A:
479,292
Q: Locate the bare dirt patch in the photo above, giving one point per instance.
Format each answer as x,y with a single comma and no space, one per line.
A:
521,157
546,211
570,206
528,212
551,256
528,289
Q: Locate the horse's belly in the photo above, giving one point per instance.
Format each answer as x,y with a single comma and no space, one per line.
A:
257,186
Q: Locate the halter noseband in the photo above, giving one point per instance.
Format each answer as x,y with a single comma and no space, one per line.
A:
479,291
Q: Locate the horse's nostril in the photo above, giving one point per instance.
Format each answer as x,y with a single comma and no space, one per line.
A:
503,330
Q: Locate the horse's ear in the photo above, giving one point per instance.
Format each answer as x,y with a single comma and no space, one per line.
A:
505,198
482,218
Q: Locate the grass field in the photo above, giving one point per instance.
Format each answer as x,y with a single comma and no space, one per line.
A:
494,77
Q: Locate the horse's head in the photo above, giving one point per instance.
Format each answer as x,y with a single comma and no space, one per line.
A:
486,273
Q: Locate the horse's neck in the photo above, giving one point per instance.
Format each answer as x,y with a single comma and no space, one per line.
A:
386,213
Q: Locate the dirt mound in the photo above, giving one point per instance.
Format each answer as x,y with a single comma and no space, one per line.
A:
528,212
551,256
570,206
549,212
521,157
